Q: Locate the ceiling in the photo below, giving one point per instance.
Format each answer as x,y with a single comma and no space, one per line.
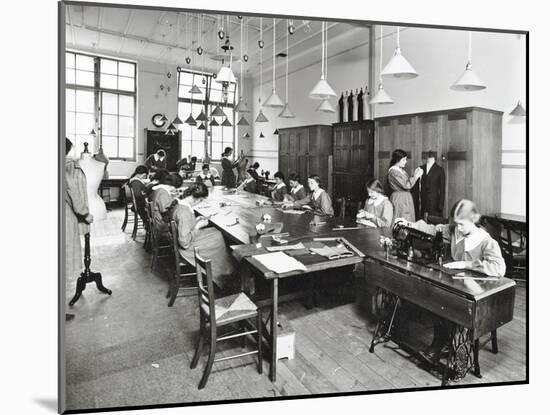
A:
170,37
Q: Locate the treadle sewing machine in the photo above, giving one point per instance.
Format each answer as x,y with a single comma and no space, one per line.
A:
472,305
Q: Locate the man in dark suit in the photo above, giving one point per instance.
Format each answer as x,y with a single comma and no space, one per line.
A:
432,188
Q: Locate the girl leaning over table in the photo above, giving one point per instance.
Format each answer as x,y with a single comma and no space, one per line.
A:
163,198
318,200
472,248
378,209
297,190
279,190
193,233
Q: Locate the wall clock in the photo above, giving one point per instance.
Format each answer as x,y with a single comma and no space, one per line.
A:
158,121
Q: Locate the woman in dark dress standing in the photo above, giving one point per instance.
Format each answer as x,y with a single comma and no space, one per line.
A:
228,175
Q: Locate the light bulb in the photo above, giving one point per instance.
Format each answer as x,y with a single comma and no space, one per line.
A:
245,57
188,60
199,50
221,33
261,43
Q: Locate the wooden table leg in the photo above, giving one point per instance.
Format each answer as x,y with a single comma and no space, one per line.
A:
274,311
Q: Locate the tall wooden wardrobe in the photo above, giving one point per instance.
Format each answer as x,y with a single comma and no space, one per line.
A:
468,142
305,151
353,158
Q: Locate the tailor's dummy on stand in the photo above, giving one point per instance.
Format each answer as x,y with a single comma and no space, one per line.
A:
94,170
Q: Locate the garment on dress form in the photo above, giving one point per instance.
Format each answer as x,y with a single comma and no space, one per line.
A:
345,105
93,170
351,106
366,106
341,108
360,106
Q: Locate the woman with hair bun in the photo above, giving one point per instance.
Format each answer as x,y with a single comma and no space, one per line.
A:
228,175
401,184
192,233
318,200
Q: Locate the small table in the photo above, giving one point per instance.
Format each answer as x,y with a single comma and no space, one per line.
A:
312,262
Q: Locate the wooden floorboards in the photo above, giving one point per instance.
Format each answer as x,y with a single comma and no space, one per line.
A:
131,349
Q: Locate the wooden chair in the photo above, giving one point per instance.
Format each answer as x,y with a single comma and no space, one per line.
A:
345,207
127,201
180,280
160,241
137,220
226,311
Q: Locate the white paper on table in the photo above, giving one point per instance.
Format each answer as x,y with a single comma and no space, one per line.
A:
280,262
292,211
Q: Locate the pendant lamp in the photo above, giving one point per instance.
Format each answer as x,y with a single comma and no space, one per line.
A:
202,116
93,132
286,112
195,89
242,106
326,106
169,132
226,74
469,81
381,97
243,121
261,117
171,127
227,123
322,89
218,112
519,111
262,135
163,118
274,101
201,127
177,121
398,66
214,123
276,132
246,135
190,120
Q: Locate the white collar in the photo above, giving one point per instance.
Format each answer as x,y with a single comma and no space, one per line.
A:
207,176
295,189
395,166
133,179
376,202
471,240
317,193
280,185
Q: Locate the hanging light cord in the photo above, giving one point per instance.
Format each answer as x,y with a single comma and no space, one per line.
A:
398,44
323,50
381,48
242,60
261,65
286,86
273,54
326,51
469,47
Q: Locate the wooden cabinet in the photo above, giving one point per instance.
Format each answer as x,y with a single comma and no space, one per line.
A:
468,143
353,158
305,151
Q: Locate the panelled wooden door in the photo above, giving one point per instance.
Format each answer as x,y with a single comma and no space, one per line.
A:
386,144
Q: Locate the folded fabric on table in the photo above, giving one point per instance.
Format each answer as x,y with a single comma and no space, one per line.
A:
333,252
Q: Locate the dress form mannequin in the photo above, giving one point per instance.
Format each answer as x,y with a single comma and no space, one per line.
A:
93,170
366,106
356,106
350,106
346,107
360,106
341,108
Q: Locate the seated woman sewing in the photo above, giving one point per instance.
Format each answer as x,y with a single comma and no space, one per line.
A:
278,191
205,176
378,210
318,200
192,233
163,198
472,248
297,190
249,184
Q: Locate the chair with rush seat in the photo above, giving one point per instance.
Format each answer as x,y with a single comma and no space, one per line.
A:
161,242
226,311
183,277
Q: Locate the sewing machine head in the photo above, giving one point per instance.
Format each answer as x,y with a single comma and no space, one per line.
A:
417,246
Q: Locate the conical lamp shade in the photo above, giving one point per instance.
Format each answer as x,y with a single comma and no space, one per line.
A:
201,127
94,133
190,120
261,117
169,132
262,135
469,81
243,121
214,123
381,97
195,90
172,127
399,67
276,132
287,112
519,111
227,123
246,135
322,90
163,118
202,116
242,106
326,106
226,75
177,121
218,112
274,101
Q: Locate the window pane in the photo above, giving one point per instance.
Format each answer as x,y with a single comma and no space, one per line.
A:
70,76
108,66
69,60
126,126
216,133
109,124
69,99
85,63
84,123
184,91
216,150
215,95
84,101
110,103
84,78
126,147
126,84
127,69
185,148
108,81
186,78
69,123
110,146
126,105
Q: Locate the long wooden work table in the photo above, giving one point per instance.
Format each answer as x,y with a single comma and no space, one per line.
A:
471,308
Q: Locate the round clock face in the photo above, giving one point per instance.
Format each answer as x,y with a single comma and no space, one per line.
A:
157,121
